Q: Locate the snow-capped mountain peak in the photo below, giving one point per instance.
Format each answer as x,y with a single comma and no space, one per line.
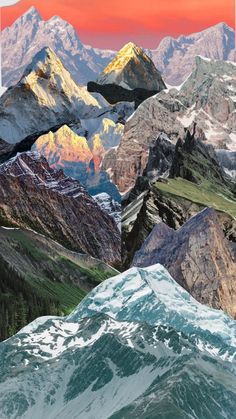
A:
30,33
31,15
132,68
45,84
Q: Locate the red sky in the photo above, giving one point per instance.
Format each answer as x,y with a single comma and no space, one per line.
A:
111,23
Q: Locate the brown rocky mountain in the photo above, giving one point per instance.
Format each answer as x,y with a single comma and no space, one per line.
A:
33,195
198,256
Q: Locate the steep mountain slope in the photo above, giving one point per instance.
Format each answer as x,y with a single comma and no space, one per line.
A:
198,256
175,57
45,96
162,350
132,68
197,182
32,34
40,277
206,98
33,195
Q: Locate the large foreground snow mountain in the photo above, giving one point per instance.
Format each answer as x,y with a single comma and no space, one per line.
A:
137,346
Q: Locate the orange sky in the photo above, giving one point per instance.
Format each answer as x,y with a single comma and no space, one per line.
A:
111,23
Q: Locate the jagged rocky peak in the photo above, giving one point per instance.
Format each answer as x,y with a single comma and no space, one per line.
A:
132,68
198,256
195,160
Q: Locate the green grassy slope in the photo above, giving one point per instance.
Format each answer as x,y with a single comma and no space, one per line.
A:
39,277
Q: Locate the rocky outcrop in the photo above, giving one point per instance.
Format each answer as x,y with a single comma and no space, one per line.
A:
207,98
200,258
45,96
33,195
195,161
160,159
114,93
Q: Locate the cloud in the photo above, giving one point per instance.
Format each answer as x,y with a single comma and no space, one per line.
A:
8,2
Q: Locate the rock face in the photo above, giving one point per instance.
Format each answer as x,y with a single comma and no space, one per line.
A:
115,94
30,33
40,277
110,206
45,96
175,57
140,334
35,196
132,69
204,99
227,160
198,256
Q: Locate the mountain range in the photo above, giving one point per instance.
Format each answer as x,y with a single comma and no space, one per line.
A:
138,344
173,57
